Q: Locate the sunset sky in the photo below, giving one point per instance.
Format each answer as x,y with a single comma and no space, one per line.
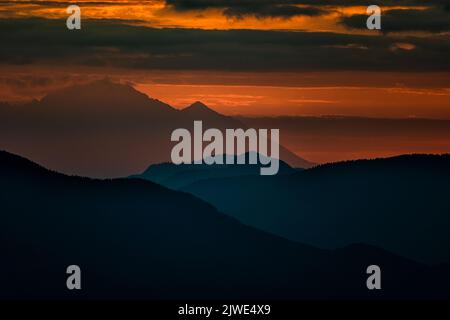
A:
259,57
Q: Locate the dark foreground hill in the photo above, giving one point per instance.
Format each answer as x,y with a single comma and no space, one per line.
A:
136,239
400,204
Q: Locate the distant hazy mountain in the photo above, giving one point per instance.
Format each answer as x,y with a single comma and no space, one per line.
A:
136,239
103,129
178,176
400,204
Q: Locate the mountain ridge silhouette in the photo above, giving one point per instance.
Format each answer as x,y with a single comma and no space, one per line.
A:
134,239
395,203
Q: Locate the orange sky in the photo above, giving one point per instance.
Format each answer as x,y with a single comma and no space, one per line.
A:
396,102
373,94
155,13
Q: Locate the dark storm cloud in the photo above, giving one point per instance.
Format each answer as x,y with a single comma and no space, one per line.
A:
271,11
429,20
205,4
240,9
286,8
106,43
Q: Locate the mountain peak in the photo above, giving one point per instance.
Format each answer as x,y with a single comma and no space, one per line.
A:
103,95
199,104
96,87
199,108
